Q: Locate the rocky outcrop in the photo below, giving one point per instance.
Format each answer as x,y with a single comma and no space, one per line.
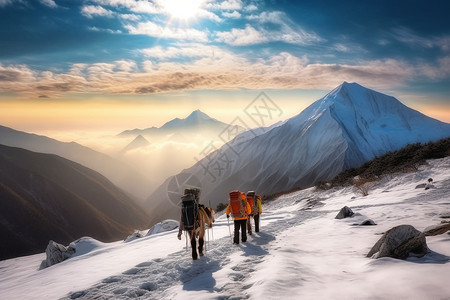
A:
437,229
133,237
345,212
400,242
367,222
56,253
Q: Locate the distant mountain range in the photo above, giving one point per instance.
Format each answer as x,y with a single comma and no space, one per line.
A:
137,143
118,172
165,151
46,197
197,121
344,129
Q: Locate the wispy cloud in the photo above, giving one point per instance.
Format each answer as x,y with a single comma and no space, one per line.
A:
95,10
93,28
192,50
136,6
154,30
407,36
284,31
7,2
49,3
214,69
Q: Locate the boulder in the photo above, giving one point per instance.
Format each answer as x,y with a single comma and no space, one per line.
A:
437,229
400,242
367,222
345,212
56,253
133,237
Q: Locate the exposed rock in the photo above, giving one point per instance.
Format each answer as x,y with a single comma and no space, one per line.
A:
133,236
445,215
367,222
437,229
345,212
429,186
400,242
56,253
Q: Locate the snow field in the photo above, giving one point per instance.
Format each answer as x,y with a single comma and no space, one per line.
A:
302,252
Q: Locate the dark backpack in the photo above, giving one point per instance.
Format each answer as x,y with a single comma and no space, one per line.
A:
189,208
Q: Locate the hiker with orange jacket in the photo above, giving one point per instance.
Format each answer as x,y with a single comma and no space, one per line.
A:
240,210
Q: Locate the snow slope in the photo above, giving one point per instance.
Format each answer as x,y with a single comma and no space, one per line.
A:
302,252
344,129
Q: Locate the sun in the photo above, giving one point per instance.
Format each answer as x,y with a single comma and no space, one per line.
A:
183,9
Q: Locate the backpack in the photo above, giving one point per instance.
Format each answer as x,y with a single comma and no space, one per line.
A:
237,205
189,208
251,199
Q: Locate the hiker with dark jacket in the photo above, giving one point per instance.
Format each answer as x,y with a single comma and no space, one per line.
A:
240,210
189,213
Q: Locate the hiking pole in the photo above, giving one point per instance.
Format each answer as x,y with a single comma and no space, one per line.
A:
228,219
212,229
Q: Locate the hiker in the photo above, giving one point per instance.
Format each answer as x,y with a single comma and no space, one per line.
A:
251,203
189,209
257,211
240,210
194,217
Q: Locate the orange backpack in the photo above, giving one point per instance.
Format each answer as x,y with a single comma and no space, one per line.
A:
237,205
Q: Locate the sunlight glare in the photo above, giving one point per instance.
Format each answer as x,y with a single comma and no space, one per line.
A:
183,9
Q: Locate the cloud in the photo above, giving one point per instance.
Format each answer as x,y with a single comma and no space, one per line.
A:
154,30
226,5
282,29
233,15
407,36
94,10
130,17
93,28
49,3
192,50
194,66
137,6
7,2
203,13
288,31
242,37
250,8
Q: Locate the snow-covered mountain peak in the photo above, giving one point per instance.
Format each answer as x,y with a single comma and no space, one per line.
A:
355,96
346,128
197,117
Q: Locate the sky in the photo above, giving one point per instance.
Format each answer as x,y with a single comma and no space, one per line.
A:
121,64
